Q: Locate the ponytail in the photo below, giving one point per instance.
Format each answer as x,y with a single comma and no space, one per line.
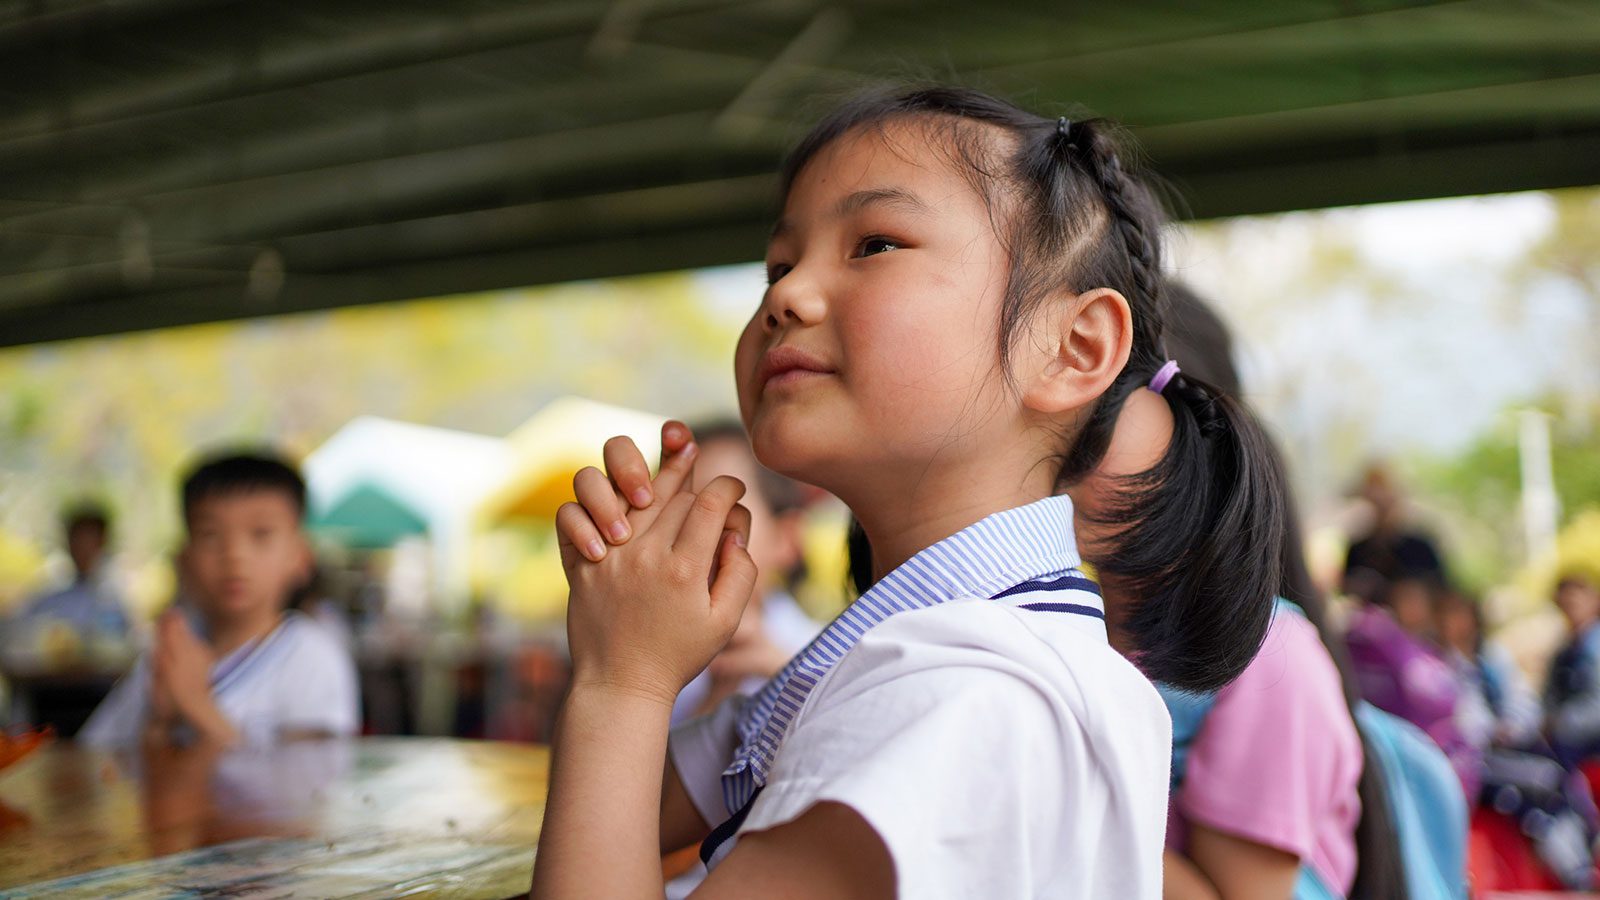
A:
1196,542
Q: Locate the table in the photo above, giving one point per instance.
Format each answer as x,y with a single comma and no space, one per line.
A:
435,817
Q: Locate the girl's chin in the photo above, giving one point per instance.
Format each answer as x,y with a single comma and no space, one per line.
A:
793,446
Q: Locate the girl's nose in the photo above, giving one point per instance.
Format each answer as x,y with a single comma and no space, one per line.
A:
793,300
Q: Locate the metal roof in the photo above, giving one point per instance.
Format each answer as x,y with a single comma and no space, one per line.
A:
174,161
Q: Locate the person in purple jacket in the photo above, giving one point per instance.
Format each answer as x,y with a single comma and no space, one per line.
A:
1400,672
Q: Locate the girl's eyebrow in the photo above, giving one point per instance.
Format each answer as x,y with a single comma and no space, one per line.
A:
900,198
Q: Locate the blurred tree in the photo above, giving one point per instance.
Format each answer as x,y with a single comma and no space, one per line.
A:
1568,257
1482,485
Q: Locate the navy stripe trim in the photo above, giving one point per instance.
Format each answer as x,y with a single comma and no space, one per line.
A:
1077,608
1064,583
721,834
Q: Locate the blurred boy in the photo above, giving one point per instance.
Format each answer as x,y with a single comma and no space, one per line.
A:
1572,691
256,673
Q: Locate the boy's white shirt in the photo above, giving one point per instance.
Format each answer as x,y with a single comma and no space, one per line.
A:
298,678
997,751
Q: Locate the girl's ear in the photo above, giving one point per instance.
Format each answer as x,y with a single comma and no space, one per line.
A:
1085,342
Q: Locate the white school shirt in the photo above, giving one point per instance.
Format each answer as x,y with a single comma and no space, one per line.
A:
296,678
1000,748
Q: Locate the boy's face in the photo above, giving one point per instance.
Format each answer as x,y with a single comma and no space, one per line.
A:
86,541
1579,603
245,553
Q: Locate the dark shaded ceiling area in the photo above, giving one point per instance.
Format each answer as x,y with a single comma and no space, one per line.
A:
173,161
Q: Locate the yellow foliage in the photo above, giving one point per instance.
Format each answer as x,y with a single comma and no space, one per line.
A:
21,569
1577,551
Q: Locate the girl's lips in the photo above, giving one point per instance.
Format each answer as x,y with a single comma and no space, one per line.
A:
792,377
783,366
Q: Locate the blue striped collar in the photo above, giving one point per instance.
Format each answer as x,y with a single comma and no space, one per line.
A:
1019,553
254,655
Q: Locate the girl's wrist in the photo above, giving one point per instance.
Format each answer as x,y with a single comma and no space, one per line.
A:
625,693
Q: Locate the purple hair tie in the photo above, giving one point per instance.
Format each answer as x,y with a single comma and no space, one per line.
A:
1164,375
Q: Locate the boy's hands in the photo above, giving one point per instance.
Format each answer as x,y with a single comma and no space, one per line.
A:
182,665
645,616
181,683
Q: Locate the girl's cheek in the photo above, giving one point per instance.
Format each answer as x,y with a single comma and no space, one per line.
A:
744,365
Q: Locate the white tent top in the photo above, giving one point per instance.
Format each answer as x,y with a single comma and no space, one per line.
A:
441,473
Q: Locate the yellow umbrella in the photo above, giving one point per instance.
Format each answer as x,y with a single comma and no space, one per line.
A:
547,450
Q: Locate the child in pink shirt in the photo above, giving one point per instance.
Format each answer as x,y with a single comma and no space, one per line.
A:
1278,759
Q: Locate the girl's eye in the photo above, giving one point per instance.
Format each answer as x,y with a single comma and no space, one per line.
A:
874,245
776,271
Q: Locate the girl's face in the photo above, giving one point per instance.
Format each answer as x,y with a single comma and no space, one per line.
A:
874,351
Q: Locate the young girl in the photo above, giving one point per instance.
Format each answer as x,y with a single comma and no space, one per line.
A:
962,297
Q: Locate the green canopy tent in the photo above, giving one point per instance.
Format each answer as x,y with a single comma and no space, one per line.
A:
367,518
173,161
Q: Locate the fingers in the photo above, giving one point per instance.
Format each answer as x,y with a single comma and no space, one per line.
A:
607,510
739,521
674,437
704,519
677,461
578,536
627,468
735,581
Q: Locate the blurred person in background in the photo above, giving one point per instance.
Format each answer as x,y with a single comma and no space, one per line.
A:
1400,671
1572,689
1528,798
257,673
1497,706
774,627
89,606
1390,549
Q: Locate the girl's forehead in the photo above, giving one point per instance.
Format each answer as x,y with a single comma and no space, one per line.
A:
916,157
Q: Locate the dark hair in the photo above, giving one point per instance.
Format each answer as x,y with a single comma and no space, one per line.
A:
240,473
1574,580
86,515
782,494
1199,339
1206,345
1195,538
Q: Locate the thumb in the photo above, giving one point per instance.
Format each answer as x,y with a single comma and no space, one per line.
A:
734,581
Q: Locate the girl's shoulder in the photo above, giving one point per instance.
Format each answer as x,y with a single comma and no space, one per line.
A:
1060,657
